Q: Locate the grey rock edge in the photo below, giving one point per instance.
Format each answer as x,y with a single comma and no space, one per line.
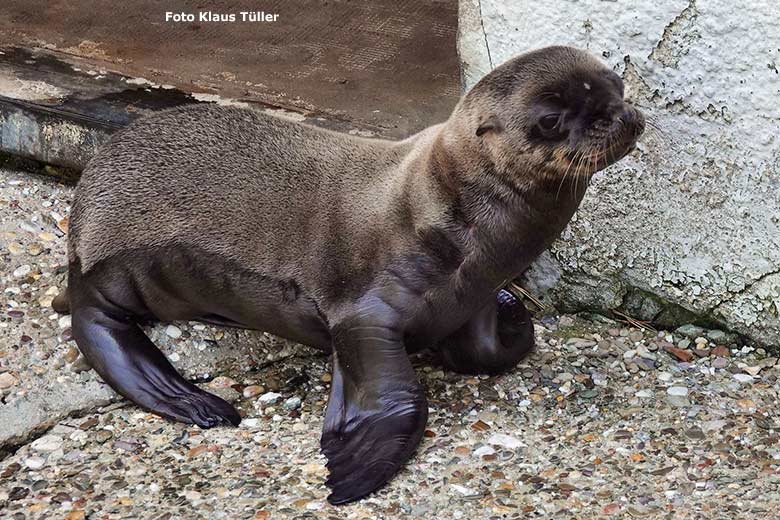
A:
688,227
57,109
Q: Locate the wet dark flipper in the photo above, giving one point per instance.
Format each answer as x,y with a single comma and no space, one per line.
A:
127,360
377,410
493,341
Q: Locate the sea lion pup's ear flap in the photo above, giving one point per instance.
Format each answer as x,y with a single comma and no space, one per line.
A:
492,123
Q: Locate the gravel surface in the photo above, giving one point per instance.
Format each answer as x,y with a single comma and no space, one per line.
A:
602,420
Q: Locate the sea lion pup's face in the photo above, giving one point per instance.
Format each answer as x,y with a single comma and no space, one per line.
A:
553,114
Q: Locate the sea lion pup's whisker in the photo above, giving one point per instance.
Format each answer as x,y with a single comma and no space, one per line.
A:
402,246
659,134
566,172
583,163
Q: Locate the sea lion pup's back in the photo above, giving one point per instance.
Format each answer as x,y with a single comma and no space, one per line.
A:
225,179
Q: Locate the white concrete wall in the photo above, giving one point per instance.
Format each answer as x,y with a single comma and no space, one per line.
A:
694,216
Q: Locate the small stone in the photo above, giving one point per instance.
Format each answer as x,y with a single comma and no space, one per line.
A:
690,331
677,396
480,426
197,450
463,490
753,371
636,336
326,378
7,380
89,424
565,321
642,352
34,249
720,351
644,393
598,378
714,425
645,364
250,423
505,441
720,362
718,336
15,248
71,355
80,365
293,403
22,271
695,434
253,390
34,463
172,331
10,470
18,493
47,444
769,362
743,378
64,322
700,341
269,398
484,450
664,376
221,382
103,435
62,224
684,343
629,354
127,445
680,354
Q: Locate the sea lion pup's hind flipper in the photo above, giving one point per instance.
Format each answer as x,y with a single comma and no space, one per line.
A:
126,359
377,409
492,341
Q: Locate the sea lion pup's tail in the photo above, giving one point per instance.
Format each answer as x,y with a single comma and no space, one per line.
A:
61,302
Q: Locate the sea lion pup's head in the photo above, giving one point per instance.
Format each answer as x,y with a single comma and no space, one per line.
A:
549,115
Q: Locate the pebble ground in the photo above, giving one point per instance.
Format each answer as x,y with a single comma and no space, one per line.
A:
602,421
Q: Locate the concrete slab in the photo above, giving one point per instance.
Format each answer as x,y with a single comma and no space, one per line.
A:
381,63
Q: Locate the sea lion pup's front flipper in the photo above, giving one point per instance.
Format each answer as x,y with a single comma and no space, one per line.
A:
117,348
377,409
492,341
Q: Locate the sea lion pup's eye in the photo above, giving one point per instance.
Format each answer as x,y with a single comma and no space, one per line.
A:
549,127
549,122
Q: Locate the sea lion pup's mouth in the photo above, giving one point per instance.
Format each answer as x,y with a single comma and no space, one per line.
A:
603,143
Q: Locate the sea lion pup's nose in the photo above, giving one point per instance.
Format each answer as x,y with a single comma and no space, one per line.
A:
631,118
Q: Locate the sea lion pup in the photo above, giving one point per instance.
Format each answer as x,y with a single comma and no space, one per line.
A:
365,248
